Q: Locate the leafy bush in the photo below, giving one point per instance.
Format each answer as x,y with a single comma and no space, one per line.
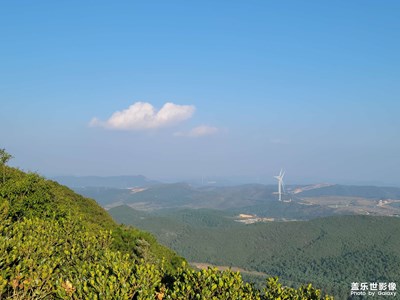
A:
210,284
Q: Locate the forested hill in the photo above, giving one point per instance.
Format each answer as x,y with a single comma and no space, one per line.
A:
331,252
55,244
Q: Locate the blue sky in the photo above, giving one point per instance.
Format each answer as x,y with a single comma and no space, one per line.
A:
310,86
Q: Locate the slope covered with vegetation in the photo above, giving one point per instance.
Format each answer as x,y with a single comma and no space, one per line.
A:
29,196
330,252
55,244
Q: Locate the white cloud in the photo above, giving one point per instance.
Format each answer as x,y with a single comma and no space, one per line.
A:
142,115
198,131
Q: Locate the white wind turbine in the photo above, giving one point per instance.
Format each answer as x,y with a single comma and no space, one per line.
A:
281,187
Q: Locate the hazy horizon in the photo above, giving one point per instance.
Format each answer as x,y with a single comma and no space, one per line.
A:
185,90
234,181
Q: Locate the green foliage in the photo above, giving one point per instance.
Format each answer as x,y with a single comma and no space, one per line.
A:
49,259
275,290
30,195
27,195
329,252
4,158
55,244
210,284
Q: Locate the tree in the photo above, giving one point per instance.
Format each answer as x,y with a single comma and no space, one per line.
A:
4,158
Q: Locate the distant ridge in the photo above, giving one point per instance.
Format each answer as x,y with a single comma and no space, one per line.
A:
369,192
121,182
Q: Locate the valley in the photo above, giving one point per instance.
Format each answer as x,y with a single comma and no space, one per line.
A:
331,251
299,203
327,234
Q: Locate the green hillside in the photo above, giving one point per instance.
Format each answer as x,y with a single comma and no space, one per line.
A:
29,195
55,244
332,252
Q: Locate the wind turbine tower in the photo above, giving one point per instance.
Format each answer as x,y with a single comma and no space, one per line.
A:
280,184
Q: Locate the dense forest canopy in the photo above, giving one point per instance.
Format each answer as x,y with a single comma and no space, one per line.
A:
331,252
